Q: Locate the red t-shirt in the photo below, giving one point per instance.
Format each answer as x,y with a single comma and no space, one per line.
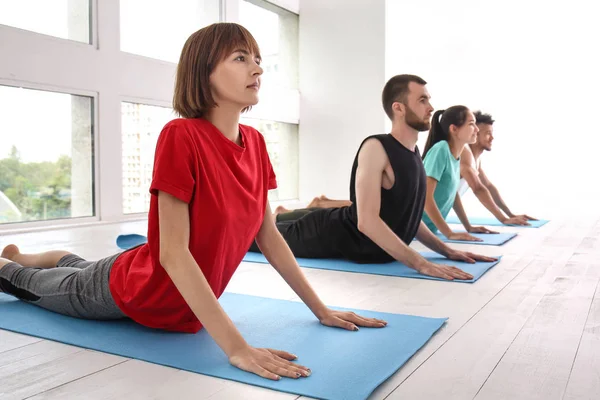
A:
226,187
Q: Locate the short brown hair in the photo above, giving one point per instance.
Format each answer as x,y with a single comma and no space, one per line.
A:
396,90
201,53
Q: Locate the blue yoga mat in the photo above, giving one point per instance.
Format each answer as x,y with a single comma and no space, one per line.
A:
345,365
491,221
389,269
490,239
131,240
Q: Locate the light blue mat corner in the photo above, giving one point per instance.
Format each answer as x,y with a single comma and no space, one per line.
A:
489,239
389,269
345,365
491,221
128,241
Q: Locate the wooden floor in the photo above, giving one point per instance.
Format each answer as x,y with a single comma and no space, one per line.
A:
528,329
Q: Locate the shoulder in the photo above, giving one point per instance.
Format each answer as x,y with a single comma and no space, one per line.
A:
372,144
437,153
178,127
175,131
372,153
253,138
251,132
441,147
466,157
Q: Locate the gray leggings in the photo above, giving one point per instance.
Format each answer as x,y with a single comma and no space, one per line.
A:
76,287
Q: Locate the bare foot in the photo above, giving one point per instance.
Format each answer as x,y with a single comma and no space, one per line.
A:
280,210
314,203
10,252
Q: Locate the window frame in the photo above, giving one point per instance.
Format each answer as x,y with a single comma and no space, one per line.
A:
96,167
109,76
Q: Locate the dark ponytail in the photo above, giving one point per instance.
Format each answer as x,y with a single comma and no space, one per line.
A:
440,125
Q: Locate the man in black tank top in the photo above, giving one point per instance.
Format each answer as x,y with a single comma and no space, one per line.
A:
387,191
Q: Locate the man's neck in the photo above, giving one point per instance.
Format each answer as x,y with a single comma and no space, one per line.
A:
477,151
406,135
226,120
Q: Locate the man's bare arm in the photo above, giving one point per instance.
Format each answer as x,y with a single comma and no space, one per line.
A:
372,161
479,189
494,192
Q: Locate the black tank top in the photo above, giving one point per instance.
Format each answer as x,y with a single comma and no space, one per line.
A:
401,206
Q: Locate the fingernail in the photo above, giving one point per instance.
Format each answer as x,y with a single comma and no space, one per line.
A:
356,328
308,373
277,377
298,375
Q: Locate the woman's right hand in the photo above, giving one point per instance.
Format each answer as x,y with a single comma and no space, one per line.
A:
464,236
268,363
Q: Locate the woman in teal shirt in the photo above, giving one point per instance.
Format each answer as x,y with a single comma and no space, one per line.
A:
451,130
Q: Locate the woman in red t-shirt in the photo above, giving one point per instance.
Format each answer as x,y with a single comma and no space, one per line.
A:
209,202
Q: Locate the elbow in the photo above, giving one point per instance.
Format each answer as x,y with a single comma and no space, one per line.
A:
164,258
478,189
168,256
364,226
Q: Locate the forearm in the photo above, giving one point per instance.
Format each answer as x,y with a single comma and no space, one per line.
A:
434,214
460,212
499,201
425,236
486,199
197,293
384,237
279,255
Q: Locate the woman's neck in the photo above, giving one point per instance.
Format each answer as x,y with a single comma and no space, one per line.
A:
456,147
227,121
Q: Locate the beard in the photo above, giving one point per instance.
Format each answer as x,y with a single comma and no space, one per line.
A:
415,122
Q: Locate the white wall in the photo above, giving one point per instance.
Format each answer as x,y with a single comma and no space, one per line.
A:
342,74
534,65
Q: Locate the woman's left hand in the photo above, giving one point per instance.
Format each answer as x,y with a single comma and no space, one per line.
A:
350,321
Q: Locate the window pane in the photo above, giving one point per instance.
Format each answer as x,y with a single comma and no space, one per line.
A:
159,28
46,155
282,145
141,125
67,19
276,31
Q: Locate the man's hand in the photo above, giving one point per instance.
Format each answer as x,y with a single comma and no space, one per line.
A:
480,229
442,271
517,220
463,236
469,257
525,217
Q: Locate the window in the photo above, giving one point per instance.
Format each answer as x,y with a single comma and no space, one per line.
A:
141,125
67,19
282,145
276,115
276,31
159,29
46,155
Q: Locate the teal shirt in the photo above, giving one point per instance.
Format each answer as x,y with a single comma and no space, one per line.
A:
441,165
